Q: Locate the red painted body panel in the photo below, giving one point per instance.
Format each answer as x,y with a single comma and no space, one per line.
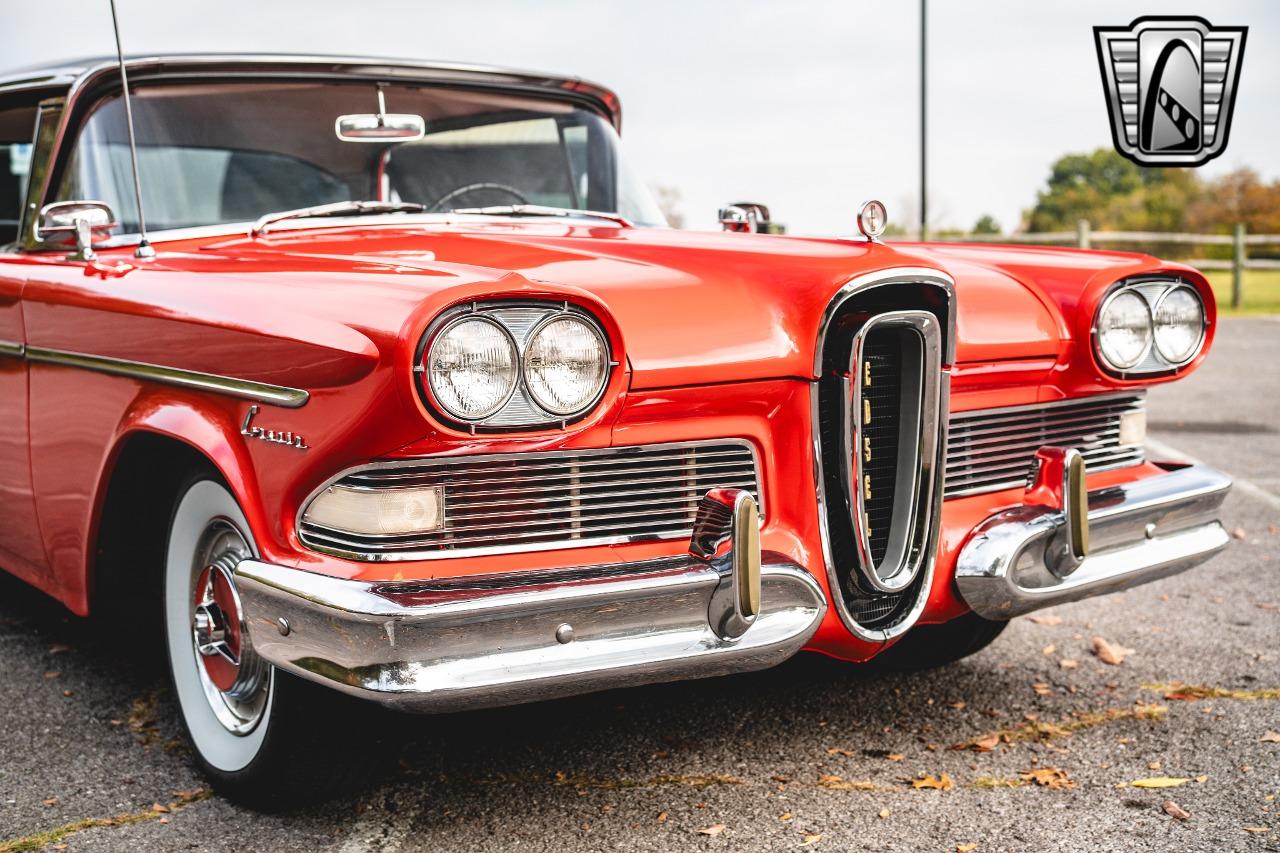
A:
716,334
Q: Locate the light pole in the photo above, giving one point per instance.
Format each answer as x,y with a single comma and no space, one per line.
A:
924,163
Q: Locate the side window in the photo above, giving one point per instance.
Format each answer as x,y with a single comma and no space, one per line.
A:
17,129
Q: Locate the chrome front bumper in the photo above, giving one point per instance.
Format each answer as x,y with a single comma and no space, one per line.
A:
499,640
1138,532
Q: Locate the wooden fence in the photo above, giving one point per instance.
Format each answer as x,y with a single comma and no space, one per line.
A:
1084,237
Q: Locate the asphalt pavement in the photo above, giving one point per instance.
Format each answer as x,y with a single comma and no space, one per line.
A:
812,755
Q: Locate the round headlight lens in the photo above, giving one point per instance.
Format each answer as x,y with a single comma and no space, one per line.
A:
472,368
566,364
1124,330
1179,318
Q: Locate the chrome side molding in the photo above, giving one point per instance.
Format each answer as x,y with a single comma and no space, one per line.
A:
244,389
1137,532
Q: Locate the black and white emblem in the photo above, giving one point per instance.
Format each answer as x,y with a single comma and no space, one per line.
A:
1170,84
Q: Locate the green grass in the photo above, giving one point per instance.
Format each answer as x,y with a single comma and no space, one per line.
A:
1261,291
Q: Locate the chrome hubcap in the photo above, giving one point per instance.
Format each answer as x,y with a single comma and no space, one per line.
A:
235,680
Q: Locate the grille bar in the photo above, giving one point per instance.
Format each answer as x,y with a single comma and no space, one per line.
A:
993,449
536,501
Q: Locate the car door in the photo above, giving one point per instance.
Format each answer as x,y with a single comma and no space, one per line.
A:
22,549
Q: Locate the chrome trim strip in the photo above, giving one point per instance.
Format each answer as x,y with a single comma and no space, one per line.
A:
438,646
1138,532
12,349
260,392
478,551
917,275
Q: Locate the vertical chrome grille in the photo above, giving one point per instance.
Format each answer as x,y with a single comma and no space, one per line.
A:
992,449
878,434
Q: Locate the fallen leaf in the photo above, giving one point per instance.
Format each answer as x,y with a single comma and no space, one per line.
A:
662,817
1108,653
714,829
1270,737
986,744
786,817
52,801
1159,782
895,756
59,648
942,783
1175,811
1068,663
1049,649
1155,765
966,848
1049,777
68,693
1261,605
959,706
49,676
884,813
1238,533
1202,779
1046,619
1041,688
159,809
811,838
837,783
1256,829
835,750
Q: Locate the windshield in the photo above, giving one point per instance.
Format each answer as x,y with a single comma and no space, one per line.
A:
210,154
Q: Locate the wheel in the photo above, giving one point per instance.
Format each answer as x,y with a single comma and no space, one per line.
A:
254,731
931,646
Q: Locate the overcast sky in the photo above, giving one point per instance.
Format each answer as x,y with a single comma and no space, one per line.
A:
808,106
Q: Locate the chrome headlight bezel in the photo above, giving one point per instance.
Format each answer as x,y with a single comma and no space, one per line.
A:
520,320
1099,347
1152,290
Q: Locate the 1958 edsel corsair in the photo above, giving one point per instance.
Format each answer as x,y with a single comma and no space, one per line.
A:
412,394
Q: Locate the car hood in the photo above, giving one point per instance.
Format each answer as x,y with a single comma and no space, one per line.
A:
692,307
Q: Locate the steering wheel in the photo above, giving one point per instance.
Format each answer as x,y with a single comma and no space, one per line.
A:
440,203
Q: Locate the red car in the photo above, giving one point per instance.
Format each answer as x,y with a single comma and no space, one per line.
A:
399,384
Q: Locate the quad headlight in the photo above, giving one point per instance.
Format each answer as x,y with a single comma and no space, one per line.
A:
1179,321
515,365
473,368
566,363
1149,326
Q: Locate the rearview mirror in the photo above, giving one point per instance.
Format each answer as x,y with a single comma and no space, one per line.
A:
380,127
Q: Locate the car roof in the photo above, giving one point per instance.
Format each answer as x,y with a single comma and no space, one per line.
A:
67,74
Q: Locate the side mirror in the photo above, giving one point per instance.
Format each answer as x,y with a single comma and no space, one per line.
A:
78,223
746,216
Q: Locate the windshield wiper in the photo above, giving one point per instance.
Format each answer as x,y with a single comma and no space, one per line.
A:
341,208
542,210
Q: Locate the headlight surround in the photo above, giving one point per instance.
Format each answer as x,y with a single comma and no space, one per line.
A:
472,367
1179,324
1124,329
566,364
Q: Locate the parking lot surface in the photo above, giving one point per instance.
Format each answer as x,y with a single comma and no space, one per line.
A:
812,755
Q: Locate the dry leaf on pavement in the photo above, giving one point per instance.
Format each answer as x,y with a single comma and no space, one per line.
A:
1108,653
1049,777
966,848
1271,737
1068,663
1049,649
884,813
1175,811
714,829
1045,619
811,838
942,783
835,750
1159,782
986,744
